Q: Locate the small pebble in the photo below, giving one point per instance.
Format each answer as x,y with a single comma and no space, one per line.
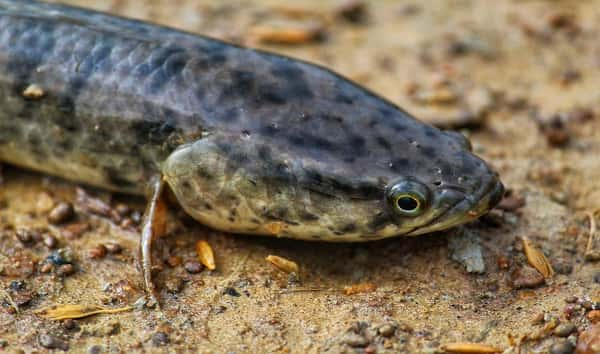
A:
160,339
97,252
556,131
231,292
569,76
174,261
503,262
193,267
127,223
511,202
17,285
65,270
564,329
539,319
354,11
571,299
24,235
70,324
594,316
50,342
46,268
387,330
562,266
122,209
175,285
50,241
95,349
136,216
589,340
570,309
526,277
562,347
75,230
113,247
355,340
22,299
61,256
61,213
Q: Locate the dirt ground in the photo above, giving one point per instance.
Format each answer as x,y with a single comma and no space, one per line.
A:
519,77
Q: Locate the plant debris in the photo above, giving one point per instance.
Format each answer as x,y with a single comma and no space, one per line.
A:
205,254
360,288
288,35
537,259
592,249
283,264
475,348
63,312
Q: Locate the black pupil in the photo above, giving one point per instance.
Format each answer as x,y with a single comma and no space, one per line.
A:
407,203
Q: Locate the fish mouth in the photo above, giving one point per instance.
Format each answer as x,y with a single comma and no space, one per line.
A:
469,208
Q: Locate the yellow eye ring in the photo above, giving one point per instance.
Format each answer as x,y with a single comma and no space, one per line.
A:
407,203
408,198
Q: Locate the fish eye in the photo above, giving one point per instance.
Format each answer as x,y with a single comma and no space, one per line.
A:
408,198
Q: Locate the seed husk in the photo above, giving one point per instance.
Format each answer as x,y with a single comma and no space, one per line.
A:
205,254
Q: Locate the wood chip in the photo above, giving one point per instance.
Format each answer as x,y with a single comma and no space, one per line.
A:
537,259
287,35
466,347
205,254
33,92
283,264
592,250
360,288
63,312
294,12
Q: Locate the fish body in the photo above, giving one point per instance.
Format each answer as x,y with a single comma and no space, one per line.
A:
249,142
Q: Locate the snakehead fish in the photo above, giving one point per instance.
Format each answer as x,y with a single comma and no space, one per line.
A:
249,142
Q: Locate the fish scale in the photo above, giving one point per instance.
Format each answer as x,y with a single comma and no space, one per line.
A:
249,142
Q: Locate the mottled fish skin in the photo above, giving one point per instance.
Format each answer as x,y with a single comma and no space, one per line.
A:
249,142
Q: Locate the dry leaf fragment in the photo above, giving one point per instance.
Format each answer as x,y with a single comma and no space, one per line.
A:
592,250
537,259
205,254
283,264
293,12
360,288
289,36
475,348
63,312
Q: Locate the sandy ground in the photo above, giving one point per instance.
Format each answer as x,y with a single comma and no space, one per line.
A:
519,77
